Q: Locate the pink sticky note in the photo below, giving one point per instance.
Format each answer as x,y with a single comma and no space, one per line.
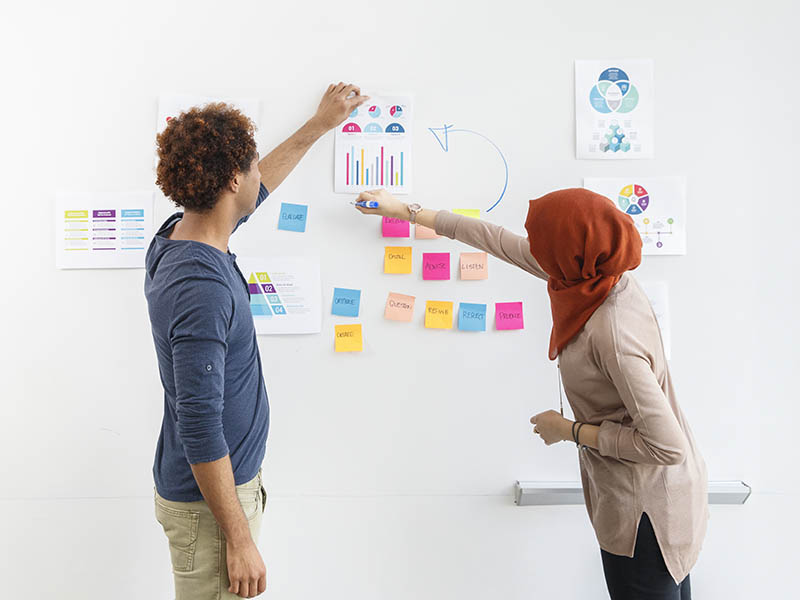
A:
424,233
399,307
508,315
395,227
436,265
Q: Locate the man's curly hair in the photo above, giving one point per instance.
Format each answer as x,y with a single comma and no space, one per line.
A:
199,153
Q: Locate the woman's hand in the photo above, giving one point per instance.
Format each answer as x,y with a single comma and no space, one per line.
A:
552,427
388,205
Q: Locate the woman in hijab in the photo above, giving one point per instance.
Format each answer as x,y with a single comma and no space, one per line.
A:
644,481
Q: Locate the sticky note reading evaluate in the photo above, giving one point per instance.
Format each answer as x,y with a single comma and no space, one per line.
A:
395,228
293,217
346,302
399,307
397,260
474,265
471,317
473,213
438,315
435,265
508,315
348,338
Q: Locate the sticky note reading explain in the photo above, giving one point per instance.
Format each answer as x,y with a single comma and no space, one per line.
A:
397,260
395,227
471,317
424,233
399,307
508,315
438,315
346,302
293,217
474,265
348,338
473,213
436,265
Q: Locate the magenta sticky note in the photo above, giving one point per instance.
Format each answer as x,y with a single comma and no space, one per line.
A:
436,265
508,315
395,227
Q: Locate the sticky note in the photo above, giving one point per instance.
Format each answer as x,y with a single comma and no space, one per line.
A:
424,233
438,315
395,227
348,338
436,265
399,307
473,213
293,217
508,315
397,259
346,302
471,317
474,265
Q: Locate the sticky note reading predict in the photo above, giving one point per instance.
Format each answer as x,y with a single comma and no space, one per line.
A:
436,265
508,315
397,260
424,233
399,307
346,302
438,315
474,265
293,217
471,317
395,227
348,338
473,213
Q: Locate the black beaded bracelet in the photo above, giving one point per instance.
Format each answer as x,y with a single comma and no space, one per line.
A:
578,435
574,439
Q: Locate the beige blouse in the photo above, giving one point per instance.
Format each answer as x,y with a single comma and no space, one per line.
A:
616,377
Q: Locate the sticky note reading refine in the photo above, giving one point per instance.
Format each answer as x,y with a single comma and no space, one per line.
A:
438,315
424,233
474,265
471,317
397,260
395,227
508,315
399,307
346,302
436,265
473,213
293,217
348,338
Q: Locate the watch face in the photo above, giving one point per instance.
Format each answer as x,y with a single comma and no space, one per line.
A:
414,206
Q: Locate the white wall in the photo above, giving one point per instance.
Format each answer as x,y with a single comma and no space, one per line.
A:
402,487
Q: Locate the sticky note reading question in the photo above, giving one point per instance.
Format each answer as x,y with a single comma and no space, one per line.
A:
438,315
508,315
348,338
435,265
474,265
395,227
424,233
397,259
293,217
346,302
471,317
473,213
399,307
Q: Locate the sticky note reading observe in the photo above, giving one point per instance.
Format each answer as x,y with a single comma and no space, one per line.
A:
471,317
473,213
474,265
346,302
395,227
508,315
438,315
424,233
348,338
399,307
436,265
293,217
397,259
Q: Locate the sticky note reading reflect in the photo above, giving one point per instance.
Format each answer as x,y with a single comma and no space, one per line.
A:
348,338
346,302
424,233
471,317
438,315
397,259
395,227
399,307
293,217
474,265
436,265
508,315
473,213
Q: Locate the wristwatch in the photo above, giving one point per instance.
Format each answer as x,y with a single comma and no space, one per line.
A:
414,209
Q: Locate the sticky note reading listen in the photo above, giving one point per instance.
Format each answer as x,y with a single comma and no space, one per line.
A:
424,233
346,302
436,265
508,315
473,213
438,315
395,227
471,317
348,338
474,265
399,307
293,217
397,259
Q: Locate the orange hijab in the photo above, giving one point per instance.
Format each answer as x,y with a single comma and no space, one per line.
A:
585,244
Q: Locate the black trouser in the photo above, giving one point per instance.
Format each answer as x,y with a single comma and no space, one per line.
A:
645,576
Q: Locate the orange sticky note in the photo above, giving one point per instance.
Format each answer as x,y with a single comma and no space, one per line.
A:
438,315
474,265
397,259
399,307
348,338
424,233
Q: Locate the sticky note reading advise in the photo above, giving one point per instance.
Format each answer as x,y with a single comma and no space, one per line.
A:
471,317
399,307
293,217
474,265
436,265
346,302
438,315
397,259
508,315
348,338
395,227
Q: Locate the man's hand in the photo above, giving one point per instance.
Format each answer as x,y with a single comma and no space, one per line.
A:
246,570
336,104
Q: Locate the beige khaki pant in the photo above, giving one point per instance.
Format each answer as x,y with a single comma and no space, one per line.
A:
197,544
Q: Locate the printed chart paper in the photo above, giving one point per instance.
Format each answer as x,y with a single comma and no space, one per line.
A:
658,294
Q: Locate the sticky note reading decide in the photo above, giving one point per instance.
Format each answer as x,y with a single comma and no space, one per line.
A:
508,315
438,315
473,213
346,302
424,233
474,265
436,265
397,259
348,338
395,227
399,307
293,217
471,317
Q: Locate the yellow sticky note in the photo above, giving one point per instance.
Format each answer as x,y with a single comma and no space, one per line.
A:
473,213
397,259
438,315
348,338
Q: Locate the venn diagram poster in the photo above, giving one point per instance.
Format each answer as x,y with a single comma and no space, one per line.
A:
614,109
373,147
657,206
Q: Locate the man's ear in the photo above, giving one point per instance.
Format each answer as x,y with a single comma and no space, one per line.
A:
235,182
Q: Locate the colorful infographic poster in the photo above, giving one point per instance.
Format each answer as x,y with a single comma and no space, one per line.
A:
656,204
614,109
103,231
373,147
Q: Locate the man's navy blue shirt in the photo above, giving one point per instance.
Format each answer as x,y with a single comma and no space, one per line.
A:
215,400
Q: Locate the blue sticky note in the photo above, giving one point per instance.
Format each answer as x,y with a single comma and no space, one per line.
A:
471,317
293,217
346,302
